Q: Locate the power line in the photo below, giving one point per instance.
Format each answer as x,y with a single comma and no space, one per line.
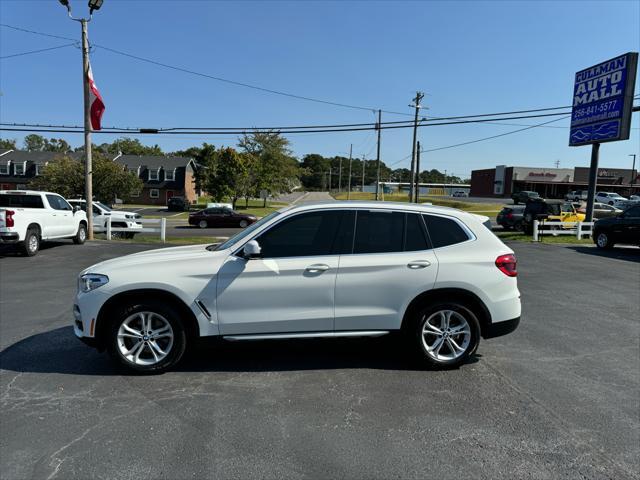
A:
38,51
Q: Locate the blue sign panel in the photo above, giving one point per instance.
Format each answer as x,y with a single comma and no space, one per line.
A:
603,100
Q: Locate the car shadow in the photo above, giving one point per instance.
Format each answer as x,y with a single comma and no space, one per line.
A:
58,351
629,253
13,250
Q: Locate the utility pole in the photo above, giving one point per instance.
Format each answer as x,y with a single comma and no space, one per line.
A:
340,176
329,179
379,125
349,187
416,104
363,163
417,194
557,163
633,168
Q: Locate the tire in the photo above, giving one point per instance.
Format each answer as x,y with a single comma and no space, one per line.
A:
142,352
603,241
611,203
31,244
81,235
518,227
451,316
203,224
243,224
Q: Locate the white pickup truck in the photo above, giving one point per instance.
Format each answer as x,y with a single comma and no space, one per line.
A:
119,218
29,217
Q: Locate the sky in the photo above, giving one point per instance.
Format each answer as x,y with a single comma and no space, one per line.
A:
469,57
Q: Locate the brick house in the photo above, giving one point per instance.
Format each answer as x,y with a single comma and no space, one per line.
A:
163,176
18,167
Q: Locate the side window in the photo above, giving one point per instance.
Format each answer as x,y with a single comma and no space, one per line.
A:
444,231
96,210
414,238
307,234
64,205
378,232
54,201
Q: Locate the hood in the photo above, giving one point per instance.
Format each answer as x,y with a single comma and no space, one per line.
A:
123,214
159,258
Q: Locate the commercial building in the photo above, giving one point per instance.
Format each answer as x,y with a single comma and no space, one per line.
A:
502,181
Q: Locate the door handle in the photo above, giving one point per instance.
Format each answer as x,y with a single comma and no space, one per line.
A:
318,267
418,264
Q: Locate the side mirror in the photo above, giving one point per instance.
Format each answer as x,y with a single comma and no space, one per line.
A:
76,208
252,250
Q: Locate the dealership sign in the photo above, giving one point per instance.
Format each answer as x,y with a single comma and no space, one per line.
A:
603,100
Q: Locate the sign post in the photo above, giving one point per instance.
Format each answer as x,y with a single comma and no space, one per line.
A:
602,105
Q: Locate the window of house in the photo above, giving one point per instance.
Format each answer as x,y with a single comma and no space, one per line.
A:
38,169
169,175
4,168
154,174
154,193
444,231
136,194
18,169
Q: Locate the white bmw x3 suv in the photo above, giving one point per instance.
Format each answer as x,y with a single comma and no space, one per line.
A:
317,270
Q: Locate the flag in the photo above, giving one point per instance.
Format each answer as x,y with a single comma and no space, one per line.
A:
96,107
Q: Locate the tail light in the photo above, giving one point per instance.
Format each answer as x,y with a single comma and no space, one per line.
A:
507,265
9,218
509,215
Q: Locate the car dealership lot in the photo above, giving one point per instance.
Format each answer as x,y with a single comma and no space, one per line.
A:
557,398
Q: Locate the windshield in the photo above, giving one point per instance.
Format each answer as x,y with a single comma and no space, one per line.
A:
236,238
103,206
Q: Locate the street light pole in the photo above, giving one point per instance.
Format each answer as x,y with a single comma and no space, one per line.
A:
88,173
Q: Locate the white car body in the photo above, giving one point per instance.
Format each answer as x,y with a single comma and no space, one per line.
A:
226,294
119,218
53,217
609,198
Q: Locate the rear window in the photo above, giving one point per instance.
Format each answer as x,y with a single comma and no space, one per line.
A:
444,231
22,201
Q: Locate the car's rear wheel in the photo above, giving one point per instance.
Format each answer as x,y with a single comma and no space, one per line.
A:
202,224
147,337
243,224
447,334
31,244
518,227
603,241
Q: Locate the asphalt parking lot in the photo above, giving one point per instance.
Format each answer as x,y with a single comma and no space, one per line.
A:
558,398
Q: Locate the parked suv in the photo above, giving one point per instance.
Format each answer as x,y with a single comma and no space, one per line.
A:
623,228
577,196
29,217
177,204
340,269
523,197
119,218
540,209
511,217
610,198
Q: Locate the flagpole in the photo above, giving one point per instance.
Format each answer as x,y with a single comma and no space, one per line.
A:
88,173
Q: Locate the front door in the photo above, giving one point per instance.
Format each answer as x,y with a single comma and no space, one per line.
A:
391,264
630,225
291,287
62,222
170,194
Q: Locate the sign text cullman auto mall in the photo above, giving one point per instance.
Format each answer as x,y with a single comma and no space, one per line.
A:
603,100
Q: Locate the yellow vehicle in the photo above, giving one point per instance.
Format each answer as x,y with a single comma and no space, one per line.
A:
568,213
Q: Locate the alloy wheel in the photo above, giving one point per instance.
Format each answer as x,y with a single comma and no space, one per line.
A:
145,338
446,335
202,224
602,240
33,243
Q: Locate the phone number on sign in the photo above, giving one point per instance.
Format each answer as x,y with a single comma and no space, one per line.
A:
595,109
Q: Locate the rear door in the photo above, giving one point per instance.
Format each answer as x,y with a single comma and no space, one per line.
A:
391,262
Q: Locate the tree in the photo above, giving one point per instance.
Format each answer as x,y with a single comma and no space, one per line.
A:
226,175
7,144
274,169
126,146
65,175
314,166
34,143
37,143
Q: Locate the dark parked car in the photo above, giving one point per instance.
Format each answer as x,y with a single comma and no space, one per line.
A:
600,210
539,209
177,204
523,197
623,228
511,217
220,217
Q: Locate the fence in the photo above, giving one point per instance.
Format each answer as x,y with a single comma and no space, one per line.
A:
558,228
162,229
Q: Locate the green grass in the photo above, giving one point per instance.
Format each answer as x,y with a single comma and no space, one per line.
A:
254,208
521,237
488,209
151,239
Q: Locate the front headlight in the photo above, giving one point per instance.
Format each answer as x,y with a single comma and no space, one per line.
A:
91,281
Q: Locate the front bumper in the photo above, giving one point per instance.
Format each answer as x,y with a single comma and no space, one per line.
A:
501,328
9,237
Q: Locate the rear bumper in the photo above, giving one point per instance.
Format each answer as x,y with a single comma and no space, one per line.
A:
9,237
501,328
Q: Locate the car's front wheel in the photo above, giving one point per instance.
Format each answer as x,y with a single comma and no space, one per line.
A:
243,224
603,240
81,234
147,337
202,224
447,334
